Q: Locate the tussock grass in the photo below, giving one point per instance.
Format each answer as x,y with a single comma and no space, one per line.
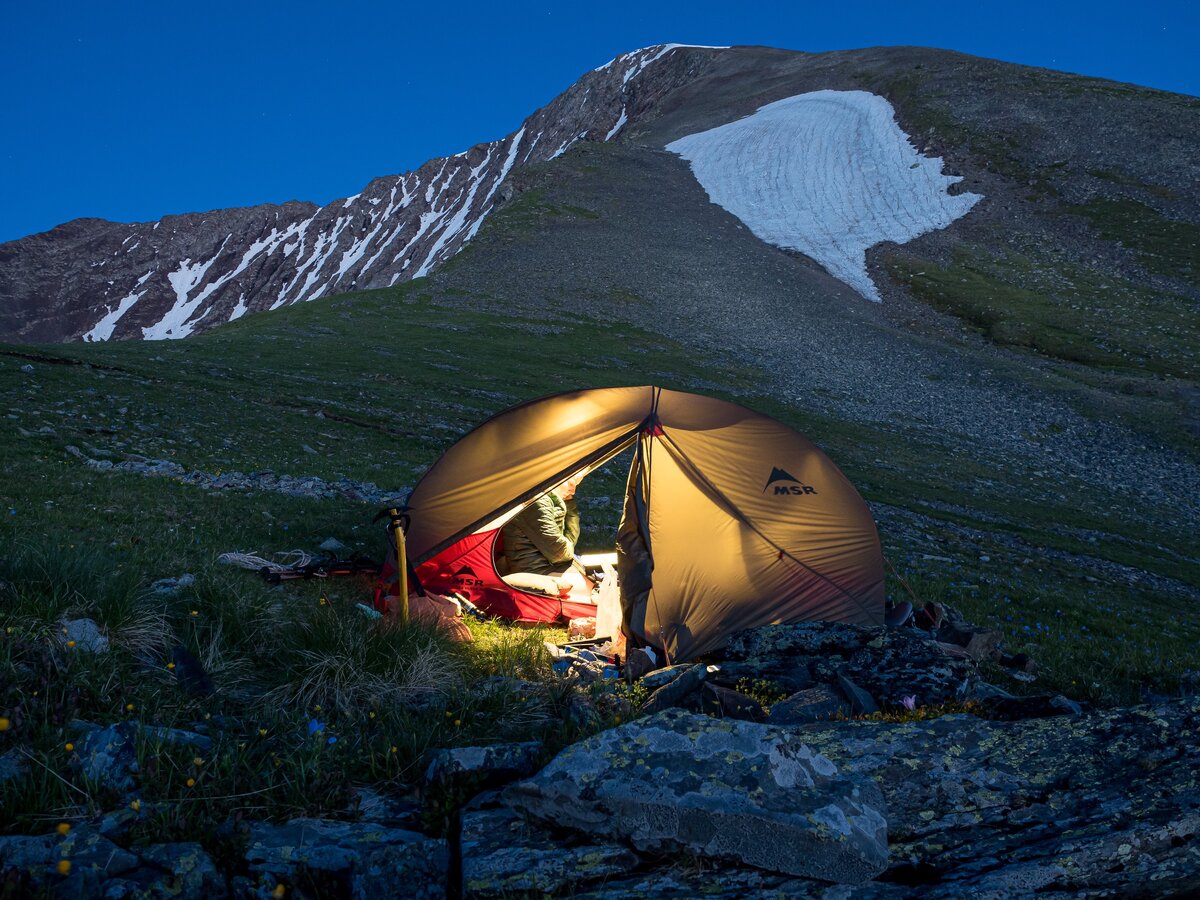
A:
312,696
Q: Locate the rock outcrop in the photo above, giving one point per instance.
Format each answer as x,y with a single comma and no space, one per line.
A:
722,789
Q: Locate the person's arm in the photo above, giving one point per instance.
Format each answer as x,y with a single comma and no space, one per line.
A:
552,543
571,523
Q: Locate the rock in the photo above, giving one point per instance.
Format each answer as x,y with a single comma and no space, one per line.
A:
1034,707
13,766
861,702
108,756
721,789
365,860
191,872
27,369
727,703
801,639
814,704
984,691
1103,802
719,882
671,693
481,767
85,633
503,855
332,545
652,681
788,674
979,643
369,805
888,664
639,661
173,585
1019,662
87,851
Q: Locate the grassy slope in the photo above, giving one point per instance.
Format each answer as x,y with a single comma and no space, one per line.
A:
376,385
1084,267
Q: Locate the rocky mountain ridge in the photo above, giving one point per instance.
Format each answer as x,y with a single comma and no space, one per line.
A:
181,275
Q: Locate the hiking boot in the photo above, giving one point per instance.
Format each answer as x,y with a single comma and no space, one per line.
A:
897,614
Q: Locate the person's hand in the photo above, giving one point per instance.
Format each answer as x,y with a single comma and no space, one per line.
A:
568,488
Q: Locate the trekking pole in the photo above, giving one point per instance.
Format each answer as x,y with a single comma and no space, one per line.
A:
396,526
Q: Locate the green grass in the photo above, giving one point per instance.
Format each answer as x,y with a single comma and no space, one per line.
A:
1163,246
1061,311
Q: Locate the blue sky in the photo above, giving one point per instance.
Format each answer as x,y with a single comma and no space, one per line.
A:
130,111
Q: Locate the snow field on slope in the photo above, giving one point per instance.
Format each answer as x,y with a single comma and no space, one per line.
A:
827,173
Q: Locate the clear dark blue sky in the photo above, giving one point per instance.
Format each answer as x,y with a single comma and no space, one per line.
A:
131,110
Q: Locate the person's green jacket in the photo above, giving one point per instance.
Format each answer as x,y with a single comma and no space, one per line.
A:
541,538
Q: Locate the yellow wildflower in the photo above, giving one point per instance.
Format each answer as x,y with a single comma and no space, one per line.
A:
457,722
262,732
129,707
70,644
69,747
195,612
63,828
171,666
64,867
197,761
279,891
136,805
191,782
5,724
393,748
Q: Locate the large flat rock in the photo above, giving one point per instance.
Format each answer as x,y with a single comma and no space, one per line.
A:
722,789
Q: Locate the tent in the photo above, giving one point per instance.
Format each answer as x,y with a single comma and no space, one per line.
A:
731,519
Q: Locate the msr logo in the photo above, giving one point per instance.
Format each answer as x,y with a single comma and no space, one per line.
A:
783,483
466,577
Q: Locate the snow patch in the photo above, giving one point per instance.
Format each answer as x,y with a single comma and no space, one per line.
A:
827,173
103,329
621,120
184,280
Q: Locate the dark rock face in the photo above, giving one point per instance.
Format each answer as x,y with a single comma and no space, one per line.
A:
870,665
504,855
366,860
482,766
723,789
1099,804
181,275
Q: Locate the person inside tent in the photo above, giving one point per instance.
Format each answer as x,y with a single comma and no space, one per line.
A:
541,539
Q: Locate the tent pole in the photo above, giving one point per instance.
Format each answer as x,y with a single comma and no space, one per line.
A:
397,529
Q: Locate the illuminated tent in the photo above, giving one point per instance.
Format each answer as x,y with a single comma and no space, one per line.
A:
731,519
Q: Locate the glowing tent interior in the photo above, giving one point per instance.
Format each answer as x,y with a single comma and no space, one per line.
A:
731,519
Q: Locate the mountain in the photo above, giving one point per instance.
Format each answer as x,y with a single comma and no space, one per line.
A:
181,275
1021,201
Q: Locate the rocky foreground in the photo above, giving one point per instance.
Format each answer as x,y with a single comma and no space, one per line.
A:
862,782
